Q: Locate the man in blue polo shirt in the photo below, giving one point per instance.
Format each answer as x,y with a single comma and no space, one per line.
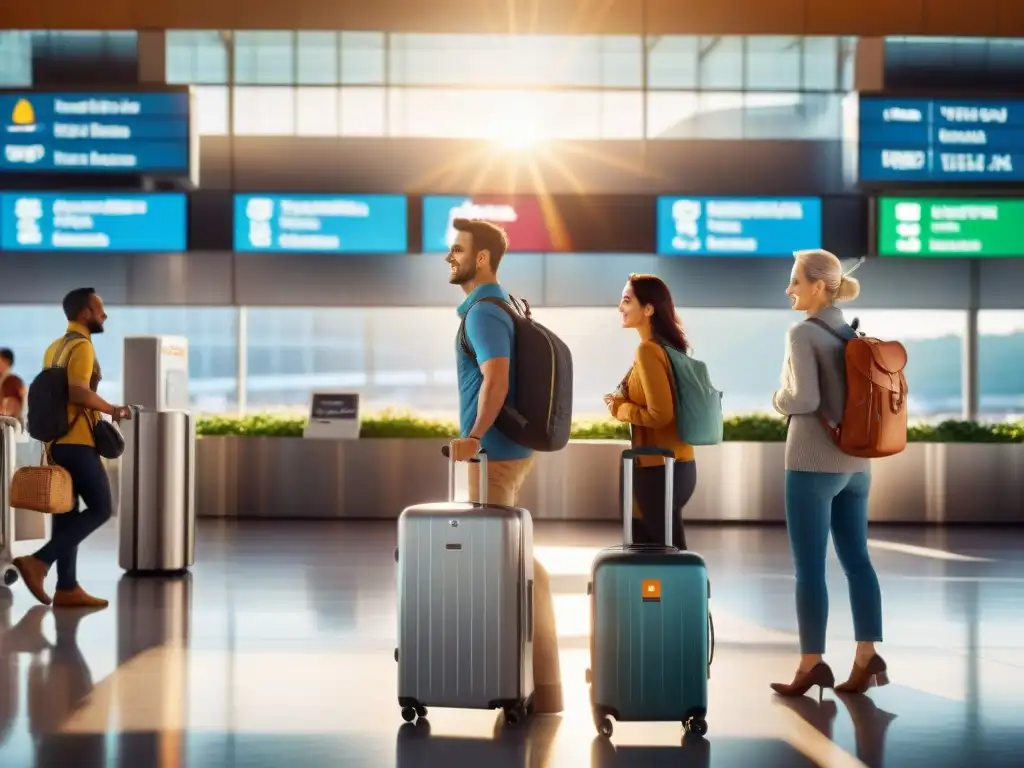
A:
485,379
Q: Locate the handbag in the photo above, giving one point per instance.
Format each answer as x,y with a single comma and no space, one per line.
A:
108,438
46,488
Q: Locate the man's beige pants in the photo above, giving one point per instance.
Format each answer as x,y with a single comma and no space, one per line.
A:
504,480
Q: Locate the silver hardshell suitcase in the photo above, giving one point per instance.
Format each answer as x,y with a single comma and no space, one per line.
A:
9,429
465,605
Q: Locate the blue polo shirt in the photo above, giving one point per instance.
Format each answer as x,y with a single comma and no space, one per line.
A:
490,333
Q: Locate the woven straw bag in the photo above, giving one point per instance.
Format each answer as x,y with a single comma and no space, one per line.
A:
46,488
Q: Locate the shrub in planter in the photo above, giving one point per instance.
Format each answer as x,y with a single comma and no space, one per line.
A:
750,429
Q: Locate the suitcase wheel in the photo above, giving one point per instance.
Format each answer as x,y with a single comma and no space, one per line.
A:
10,576
411,713
605,727
697,725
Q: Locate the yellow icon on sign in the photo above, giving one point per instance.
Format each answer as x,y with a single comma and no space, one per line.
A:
23,118
23,113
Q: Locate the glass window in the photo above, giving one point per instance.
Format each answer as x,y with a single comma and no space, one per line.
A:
720,63
15,59
212,106
514,117
670,114
196,56
934,342
412,360
622,114
268,111
362,58
848,52
316,111
317,58
821,64
291,352
672,61
719,116
773,63
516,60
1000,373
265,58
212,335
792,116
743,349
363,111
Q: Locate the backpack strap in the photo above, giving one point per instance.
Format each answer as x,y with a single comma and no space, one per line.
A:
822,324
71,341
512,312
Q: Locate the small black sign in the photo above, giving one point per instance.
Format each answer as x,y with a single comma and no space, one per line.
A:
335,407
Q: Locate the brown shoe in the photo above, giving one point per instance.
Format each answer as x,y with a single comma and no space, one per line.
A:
77,598
547,699
876,673
33,572
819,675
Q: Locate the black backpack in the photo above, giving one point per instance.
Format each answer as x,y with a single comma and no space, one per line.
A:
541,416
48,395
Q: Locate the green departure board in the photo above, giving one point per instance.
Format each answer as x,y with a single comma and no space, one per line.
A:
936,227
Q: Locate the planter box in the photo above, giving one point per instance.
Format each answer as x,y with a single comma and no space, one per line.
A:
281,477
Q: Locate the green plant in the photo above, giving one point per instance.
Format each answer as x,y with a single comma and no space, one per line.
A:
750,429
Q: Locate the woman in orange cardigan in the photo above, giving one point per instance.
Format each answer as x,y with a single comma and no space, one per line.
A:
646,401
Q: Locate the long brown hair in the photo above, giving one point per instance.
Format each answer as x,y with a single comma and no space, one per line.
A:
651,290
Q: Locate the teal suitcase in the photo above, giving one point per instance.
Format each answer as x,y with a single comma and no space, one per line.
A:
652,637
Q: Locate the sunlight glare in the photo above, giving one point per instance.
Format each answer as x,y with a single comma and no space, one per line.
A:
518,126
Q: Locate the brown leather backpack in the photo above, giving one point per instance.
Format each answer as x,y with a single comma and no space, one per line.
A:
874,423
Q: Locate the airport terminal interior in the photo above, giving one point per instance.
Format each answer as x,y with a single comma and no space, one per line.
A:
265,197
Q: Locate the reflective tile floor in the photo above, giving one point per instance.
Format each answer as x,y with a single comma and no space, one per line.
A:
277,651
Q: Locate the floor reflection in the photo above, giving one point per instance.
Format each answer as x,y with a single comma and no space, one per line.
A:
277,652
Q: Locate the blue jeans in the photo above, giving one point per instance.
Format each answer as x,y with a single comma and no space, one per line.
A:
815,502
89,482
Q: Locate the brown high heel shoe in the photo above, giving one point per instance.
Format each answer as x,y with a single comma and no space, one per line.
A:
819,675
874,674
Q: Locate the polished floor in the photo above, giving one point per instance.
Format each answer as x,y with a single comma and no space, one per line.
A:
277,651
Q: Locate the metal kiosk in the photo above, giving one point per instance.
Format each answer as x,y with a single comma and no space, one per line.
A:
157,521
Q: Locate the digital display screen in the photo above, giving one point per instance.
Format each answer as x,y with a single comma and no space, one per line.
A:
321,223
950,228
529,226
95,132
737,226
43,221
940,140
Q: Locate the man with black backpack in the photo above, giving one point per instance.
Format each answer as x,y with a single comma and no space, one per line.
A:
63,410
509,408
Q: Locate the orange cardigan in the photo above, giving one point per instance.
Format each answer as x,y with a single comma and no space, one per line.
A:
650,405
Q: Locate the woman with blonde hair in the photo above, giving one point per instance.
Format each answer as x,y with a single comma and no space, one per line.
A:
825,488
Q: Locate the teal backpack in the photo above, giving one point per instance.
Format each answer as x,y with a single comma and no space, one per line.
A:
698,403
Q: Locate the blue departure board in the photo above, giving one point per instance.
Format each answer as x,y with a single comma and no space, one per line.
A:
737,226
308,223
95,132
940,140
133,222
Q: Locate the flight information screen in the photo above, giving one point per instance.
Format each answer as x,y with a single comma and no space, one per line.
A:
95,132
737,226
43,221
937,227
940,140
321,223
530,226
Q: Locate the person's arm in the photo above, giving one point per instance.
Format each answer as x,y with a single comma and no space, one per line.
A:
651,367
802,393
79,369
489,332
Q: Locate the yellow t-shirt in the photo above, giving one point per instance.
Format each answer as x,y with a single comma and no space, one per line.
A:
79,358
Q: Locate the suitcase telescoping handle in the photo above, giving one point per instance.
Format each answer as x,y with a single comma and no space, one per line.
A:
481,459
627,489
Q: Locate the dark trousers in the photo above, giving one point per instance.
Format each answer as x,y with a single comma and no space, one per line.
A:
649,501
817,502
90,484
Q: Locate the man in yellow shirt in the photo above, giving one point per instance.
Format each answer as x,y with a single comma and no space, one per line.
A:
76,452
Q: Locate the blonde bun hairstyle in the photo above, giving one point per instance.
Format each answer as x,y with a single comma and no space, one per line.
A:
818,264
